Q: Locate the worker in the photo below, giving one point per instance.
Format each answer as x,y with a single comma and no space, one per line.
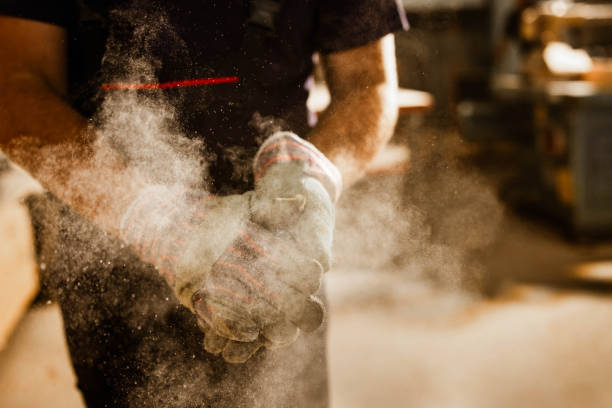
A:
179,294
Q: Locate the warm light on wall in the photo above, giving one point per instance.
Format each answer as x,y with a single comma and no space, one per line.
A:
561,59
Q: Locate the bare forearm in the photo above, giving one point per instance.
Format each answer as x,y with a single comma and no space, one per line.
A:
44,135
353,129
363,110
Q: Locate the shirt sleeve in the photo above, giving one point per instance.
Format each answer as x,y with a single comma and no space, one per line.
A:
58,12
344,24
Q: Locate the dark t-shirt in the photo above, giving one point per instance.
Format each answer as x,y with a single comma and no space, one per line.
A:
167,41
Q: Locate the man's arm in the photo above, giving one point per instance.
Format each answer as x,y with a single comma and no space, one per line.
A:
43,134
363,110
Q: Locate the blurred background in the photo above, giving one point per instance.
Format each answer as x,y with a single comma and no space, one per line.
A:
473,265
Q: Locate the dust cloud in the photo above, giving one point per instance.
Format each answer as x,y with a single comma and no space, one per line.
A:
107,293
404,223
432,222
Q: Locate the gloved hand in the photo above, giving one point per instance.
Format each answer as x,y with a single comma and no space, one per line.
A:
296,187
239,279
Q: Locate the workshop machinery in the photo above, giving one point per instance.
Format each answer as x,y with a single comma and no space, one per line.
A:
553,106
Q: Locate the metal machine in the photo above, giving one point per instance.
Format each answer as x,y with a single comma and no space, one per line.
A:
554,106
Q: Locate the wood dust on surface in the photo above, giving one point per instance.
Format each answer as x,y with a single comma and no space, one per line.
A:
539,348
397,341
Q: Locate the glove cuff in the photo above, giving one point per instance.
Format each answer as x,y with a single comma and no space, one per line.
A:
287,147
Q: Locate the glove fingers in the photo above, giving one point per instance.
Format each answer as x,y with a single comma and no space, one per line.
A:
302,273
313,233
292,266
290,305
226,321
306,312
286,303
213,343
314,247
277,330
239,352
289,264
255,263
280,334
233,326
233,351
312,316
257,271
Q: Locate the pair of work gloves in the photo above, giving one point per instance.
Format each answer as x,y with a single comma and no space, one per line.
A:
247,265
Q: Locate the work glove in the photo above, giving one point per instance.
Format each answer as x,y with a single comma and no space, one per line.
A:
296,188
247,287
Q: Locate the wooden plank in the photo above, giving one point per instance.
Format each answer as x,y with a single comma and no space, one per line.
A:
411,100
18,273
392,159
18,269
35,368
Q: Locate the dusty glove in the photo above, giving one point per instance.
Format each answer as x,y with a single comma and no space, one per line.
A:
238,278
296,187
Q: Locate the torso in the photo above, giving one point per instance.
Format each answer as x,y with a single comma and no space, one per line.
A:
185,40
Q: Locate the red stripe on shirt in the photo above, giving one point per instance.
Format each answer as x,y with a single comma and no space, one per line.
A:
173,84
